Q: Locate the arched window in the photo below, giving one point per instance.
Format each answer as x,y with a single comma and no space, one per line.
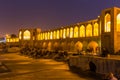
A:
71,32
68,32
38,37
89,30
107,23
48,35
76,32
64,33
118,22
58,34
54,34
51,35
20,35
95,29
26,35
82,31
61,33
43,35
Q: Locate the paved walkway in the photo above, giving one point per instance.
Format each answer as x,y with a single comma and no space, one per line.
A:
25,68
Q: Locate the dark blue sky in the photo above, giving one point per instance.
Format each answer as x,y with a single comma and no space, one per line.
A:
48,14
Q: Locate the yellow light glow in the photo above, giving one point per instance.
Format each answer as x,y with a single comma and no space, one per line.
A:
26,35
68,32
51,35
58,36
71,32
118,22
89,30
107,23
61,33
64,33
54,34
48,35
95,29
82,31
76,32
20,34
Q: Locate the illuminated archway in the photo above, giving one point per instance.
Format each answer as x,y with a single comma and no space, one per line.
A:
58,34
76,32
51,35
20,35
71,32
56,46
44,45
64,33
54,34
49,46
48,35
95,29
93,45
78,46
89,30
38,37
61,33
118,22
82,31
26,35
107,23
68,33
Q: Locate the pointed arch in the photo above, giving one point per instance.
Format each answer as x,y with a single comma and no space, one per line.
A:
71,32
76,32
20,35
95,32
26,35
118,22
89,30
107,20
82,31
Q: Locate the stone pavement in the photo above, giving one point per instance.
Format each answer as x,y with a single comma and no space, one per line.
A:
25,68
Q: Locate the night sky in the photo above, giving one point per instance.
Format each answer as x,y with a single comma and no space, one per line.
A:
48,14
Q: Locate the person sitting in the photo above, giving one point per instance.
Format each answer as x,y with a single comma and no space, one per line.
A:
111,76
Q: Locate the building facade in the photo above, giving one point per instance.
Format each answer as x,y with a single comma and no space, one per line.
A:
90,35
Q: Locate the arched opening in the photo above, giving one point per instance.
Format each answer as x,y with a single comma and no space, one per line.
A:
58,36
61,33
49,46
44,45
56,46
95,29
26,35
46,36
71,32
38,37
51,35
64,33
89,30
107,23
118,22
76,32
92,46
92,66
20,35
78,46
54,34
68,33
82,31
